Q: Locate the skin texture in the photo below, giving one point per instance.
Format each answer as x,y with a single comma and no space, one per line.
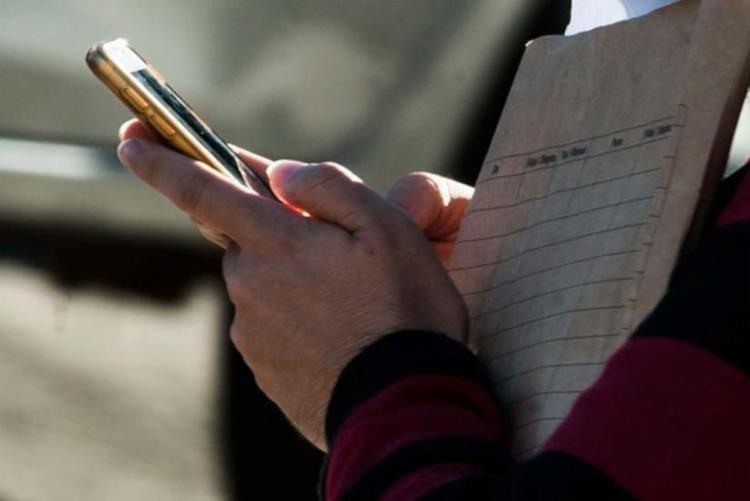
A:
436,204
318,278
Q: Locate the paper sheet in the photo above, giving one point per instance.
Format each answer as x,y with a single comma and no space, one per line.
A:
607,145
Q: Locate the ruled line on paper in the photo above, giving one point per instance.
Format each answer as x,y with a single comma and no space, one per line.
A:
558,191
553,315
551,268
526,398
550,341
529,452
538,420
551,257
589,138
550,231
547,366
567,162
550,292
561,218
556,242
579,150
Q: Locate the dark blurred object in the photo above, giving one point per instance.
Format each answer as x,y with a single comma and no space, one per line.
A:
155,269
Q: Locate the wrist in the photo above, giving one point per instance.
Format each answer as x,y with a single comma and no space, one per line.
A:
391,359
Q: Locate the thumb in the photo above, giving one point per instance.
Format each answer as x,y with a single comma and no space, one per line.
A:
437,204
326,191
420,196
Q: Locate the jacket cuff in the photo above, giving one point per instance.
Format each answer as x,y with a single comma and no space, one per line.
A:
391,359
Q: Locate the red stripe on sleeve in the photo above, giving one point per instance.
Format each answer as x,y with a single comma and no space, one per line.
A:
417,408
738,209
666,420
421,482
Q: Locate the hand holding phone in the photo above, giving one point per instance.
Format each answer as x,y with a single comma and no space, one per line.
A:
145,92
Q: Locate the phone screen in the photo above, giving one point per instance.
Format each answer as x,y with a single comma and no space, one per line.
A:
129,62
210,140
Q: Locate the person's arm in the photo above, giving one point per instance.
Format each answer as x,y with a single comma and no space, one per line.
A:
314,279
410,413
311,293
668,419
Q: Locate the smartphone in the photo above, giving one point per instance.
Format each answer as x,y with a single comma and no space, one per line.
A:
142,89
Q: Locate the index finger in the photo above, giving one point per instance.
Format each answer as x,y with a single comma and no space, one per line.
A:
195,188
135,129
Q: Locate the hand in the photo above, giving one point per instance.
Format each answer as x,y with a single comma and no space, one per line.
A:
310,292
436,204
134,129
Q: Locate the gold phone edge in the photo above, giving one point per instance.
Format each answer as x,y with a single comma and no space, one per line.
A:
107,72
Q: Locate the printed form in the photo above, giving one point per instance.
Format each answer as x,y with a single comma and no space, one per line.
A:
606,151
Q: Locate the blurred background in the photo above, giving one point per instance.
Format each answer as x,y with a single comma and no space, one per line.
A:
116,378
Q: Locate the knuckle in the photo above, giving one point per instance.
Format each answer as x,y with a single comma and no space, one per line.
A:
328,165
319,178
236,332
240,274
418,194
429,204
316,178
419,181
241,338
234,284
339,169
264,380
228,262
420,177
236,288
312,184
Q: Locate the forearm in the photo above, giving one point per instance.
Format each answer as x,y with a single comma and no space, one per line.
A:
412,417
409,414
668,418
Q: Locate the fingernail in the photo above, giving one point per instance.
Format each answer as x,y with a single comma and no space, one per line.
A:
129,150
